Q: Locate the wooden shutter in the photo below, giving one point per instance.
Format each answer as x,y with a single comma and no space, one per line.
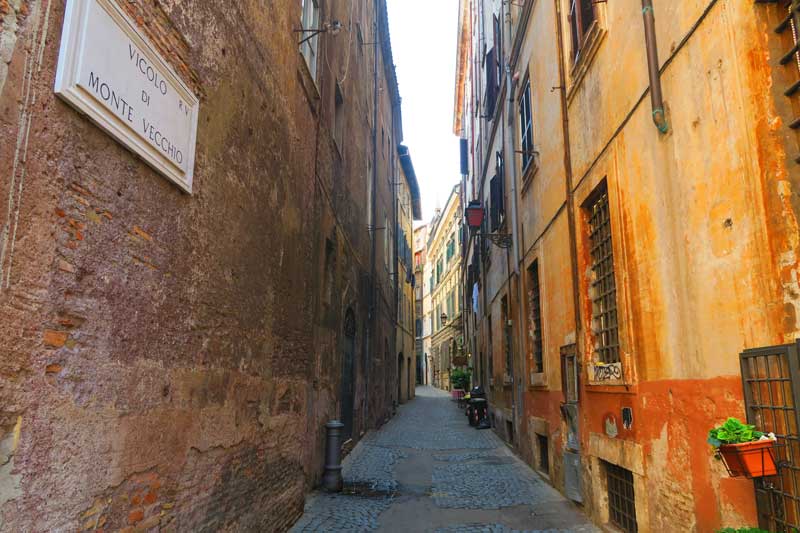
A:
495,195
491,85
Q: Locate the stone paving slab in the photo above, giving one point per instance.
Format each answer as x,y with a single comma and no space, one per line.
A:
499,528
428,470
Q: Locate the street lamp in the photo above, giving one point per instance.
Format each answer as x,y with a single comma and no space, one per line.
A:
443,316
474,214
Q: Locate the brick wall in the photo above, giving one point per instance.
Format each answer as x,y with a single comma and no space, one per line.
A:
169,361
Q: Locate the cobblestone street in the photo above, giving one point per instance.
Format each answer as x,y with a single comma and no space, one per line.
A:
428,470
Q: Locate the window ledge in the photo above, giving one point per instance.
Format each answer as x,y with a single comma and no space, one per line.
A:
528,174
538,380
591,44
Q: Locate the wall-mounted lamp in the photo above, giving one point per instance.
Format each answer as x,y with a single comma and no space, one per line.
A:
474,214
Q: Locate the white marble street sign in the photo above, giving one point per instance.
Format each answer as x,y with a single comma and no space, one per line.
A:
108,70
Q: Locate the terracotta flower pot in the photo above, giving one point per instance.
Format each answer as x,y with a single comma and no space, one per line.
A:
750,459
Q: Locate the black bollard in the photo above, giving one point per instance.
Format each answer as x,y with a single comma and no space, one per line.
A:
332,478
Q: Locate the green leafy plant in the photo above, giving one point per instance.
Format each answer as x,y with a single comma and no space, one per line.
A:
741,530
460,378
733,431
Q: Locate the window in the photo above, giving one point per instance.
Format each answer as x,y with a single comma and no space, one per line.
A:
494,70
544,454
581,17
526,125
418,324
603,290
621,498
496,200
310,21
338,118
439,270
535,325
450,305
569,373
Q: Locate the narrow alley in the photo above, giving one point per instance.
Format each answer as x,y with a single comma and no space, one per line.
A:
256,256
428,470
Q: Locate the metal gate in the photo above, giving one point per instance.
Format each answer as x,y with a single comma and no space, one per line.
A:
771,382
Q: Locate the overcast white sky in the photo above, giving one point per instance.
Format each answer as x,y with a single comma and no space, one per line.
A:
424,48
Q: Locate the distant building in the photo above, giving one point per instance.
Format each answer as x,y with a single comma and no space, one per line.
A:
408,210
444,244
420,255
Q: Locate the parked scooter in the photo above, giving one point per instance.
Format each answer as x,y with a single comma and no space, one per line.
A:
478,408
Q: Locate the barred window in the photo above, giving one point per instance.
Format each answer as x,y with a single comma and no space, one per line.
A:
603,291
535,325
621,498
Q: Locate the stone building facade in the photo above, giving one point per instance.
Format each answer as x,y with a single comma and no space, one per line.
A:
650,286
169,360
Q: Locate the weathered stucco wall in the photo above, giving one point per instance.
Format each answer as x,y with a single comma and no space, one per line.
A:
698,246
704,231
169,360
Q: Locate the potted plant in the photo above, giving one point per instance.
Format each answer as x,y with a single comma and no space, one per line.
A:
745,451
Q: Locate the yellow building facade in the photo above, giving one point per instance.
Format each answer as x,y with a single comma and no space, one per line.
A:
445,288
640,161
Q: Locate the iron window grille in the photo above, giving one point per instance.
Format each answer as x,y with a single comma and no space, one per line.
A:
526,125
621,498
603,288
770,378
536,319
791,58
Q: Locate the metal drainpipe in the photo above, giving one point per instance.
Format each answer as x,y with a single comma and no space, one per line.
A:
516,387
573,256
651,45
373,210
395,253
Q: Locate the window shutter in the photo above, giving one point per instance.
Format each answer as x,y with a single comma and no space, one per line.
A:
491,79
494,200
464,157
498,54
501,197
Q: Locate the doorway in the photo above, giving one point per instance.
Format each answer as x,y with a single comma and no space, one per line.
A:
348,372
400,374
